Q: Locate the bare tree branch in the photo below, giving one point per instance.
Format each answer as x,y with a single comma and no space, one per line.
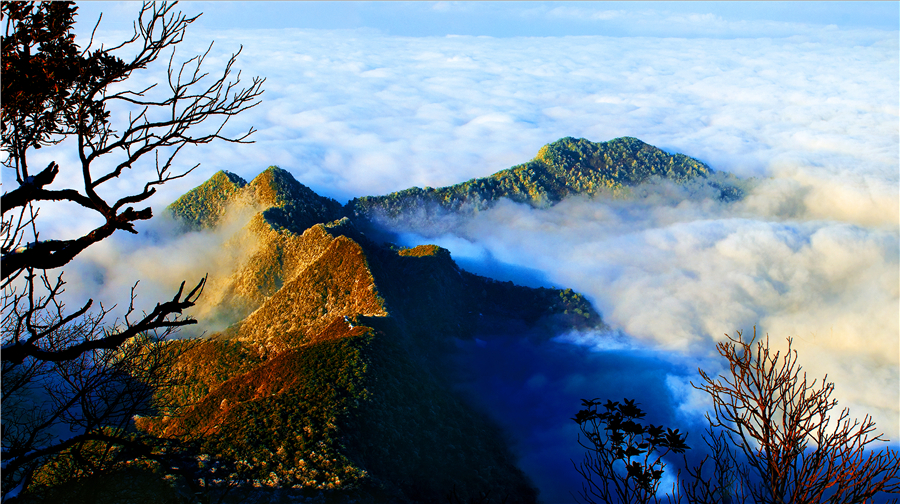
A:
73,371
782,424
16,353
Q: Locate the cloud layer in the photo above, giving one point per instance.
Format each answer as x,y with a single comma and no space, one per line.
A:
354,112
681,275
811,253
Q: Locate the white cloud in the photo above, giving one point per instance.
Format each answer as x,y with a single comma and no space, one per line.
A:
332,98
161,258
681,274
812,252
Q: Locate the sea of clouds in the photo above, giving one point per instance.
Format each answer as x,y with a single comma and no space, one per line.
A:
811,253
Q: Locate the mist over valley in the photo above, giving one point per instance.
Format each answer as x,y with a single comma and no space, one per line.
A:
665,249
458,238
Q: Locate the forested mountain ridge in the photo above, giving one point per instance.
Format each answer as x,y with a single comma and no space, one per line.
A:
335,371
566,167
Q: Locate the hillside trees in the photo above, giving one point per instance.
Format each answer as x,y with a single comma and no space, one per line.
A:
73,378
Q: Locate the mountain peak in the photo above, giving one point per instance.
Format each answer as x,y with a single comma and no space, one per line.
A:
569,166
231,177
276,187
573,144
624,161
203,206
285,203
289,204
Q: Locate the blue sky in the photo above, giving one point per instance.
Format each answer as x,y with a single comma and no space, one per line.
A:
538,19
504,19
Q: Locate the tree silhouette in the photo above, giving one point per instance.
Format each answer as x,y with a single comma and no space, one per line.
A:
793,449
772,439
73,379
624,458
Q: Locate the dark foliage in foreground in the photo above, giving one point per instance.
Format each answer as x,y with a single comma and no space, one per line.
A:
772,440
72,379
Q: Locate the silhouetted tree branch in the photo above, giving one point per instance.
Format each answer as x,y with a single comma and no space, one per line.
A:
623,462
715,479
772,439
75,377
796,451
52,92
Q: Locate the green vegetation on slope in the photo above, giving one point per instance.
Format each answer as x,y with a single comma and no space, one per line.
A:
337,284
289,204
563,168
352,411
285,203
281,420
205,364
297,399
414,434
438,301
203,206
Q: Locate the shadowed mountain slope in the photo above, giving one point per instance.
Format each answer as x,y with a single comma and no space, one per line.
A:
352,412
329,371
335,373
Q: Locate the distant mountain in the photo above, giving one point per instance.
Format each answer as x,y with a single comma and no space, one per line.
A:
563,168
335,372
